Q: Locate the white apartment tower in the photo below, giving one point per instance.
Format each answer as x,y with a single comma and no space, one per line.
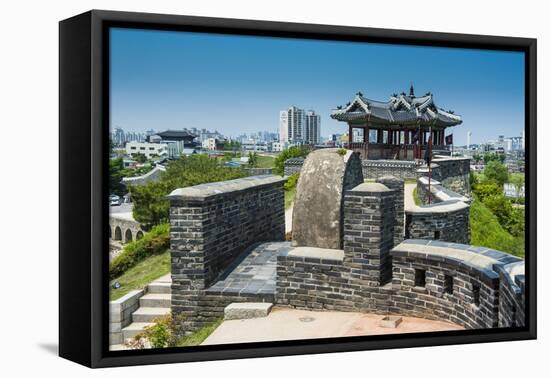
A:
313,128
291,125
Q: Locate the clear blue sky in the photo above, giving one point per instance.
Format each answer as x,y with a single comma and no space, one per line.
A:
237,84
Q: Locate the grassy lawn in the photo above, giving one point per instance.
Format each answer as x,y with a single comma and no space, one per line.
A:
266,161
487,232
199,335
143,273
289,197
410,181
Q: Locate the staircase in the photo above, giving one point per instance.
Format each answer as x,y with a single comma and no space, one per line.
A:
153,305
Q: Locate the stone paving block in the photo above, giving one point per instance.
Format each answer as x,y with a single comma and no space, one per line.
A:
247,310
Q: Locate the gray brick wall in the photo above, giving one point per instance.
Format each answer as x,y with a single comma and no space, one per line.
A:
369,218
211,225
397,185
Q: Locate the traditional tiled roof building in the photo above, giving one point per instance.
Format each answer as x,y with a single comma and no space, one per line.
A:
402,125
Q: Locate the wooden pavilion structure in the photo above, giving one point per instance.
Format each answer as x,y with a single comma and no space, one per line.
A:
399,129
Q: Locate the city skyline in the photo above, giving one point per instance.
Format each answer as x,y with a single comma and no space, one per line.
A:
174,80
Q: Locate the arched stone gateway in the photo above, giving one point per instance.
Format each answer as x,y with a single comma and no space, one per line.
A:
118,233
139,235
128,236
317,216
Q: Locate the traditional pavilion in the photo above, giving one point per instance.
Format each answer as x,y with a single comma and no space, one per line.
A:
398,129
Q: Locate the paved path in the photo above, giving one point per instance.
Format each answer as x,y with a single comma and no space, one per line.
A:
254,273
289,324
288,219
409,199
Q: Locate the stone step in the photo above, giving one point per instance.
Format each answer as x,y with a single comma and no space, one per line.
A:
159,288
149,314
155,300
247,310
165,278
133,329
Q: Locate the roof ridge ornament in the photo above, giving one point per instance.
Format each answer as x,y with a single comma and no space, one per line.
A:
411,91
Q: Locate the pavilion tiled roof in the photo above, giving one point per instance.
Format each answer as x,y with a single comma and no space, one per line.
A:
399,110
177,134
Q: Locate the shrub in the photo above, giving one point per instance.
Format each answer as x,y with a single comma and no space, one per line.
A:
153,243
496,172
292,181
150,204
485,190
292,152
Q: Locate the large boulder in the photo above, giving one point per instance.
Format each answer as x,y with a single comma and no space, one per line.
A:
317,219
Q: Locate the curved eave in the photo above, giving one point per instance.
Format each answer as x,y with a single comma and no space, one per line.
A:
422,120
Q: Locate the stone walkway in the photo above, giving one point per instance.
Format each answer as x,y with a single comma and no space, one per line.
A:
289,324
254,273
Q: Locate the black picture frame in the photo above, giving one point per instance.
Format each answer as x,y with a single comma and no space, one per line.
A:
83,166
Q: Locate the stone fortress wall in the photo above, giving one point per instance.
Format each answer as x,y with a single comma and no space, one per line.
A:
444,215
213,227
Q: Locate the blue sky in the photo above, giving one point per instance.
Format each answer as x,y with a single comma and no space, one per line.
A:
237,84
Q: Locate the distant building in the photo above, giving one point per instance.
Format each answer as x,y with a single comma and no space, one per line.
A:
291,125
177,141
512,191
278,146
254,145
212,144
312,128
147,149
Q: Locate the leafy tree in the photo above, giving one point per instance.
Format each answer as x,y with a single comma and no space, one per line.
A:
139,157
484,190
512,220
474,180
252,159
493,157
496,172
116,172
296,151
476,158
150,205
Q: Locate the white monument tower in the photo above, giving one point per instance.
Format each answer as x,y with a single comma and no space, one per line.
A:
468,137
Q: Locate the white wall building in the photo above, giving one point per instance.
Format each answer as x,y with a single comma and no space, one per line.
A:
209,144
278,146
254,145
147,149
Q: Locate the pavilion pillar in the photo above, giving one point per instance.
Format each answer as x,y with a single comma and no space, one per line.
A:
406,136
366,141
350,135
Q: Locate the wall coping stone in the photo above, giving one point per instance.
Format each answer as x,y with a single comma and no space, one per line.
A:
317,253
439,207
371,187
482,259
203,192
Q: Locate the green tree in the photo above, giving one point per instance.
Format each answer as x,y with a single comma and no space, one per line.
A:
252,159
476,158
474,180
297,151
496,172
493,157
116,172
150,205
486,189
139,157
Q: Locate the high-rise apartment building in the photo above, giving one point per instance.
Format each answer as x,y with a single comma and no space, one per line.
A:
312,128
298,127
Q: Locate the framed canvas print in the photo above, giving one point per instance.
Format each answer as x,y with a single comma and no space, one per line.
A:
234,188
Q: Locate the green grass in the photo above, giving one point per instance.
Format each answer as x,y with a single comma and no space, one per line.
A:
199,335
289,197
417,200
141,274
487,232
410,181
265,161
